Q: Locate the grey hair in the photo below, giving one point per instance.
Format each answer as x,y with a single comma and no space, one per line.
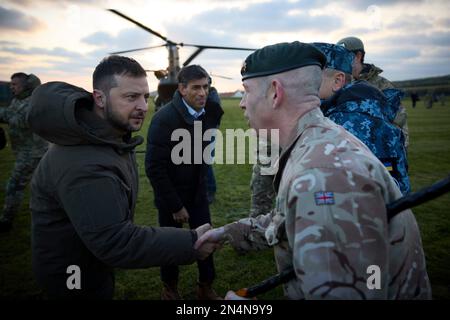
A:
298,83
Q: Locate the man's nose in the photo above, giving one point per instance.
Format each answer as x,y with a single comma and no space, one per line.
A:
142,105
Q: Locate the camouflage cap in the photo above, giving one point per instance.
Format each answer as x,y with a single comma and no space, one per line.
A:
338,57
281,57
352,44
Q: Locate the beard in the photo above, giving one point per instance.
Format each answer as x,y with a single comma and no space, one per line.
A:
121,123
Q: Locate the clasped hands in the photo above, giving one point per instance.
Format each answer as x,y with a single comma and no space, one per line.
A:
208,240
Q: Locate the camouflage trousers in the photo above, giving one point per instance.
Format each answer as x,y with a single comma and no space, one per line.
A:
15,187
263,192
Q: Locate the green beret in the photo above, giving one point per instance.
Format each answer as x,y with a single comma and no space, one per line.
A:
281,57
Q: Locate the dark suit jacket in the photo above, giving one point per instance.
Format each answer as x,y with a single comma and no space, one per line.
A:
178,185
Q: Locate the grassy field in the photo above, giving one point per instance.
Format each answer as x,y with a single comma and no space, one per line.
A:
429,159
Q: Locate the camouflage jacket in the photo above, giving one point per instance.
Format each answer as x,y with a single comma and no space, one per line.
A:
21,137
371,74
368,114
330,222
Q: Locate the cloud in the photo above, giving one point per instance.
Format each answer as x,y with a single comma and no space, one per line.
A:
56,52
8,43
98,39
7,60
126,39
237,27
414,40
394,54
356,5
438,53
438,38
27,3
60,60
364,4
11,19
406,71
264,18
411,23
444,22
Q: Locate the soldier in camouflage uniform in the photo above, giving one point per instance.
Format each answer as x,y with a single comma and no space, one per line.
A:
261,183
371,74
27,147
330,222
364,111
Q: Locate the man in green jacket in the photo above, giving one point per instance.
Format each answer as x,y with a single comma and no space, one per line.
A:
27,147
84,190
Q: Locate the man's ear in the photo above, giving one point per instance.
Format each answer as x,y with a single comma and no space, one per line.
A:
338,81
182,89
99,98
276,93
359,56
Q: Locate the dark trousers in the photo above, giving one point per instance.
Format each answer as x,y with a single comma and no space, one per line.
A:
211,181
198,215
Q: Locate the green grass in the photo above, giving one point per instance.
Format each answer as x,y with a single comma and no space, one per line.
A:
429,159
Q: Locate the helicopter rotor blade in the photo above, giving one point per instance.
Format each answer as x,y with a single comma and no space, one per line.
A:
139,49
216,47
141,25
192,56
200,48
218,76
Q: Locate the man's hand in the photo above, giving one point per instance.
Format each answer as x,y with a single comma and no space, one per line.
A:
202,230
207,248
213,236
181,216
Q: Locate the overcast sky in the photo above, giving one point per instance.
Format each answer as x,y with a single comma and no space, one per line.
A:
64,40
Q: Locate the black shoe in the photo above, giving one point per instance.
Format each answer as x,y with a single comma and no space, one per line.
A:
5,226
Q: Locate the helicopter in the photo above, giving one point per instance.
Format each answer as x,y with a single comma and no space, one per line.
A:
168,78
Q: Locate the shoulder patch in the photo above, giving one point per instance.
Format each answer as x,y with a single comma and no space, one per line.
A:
324,198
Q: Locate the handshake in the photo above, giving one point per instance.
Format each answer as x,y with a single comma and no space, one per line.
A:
208,240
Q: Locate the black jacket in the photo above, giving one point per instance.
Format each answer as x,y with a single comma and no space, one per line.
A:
178,185
83,198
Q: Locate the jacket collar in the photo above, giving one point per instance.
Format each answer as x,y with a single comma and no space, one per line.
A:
192,111
181,108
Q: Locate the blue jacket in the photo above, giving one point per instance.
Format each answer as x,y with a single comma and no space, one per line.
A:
368,113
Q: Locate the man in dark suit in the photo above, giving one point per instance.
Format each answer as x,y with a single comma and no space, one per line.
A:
178,175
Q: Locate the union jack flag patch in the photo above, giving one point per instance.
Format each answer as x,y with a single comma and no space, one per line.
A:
324,197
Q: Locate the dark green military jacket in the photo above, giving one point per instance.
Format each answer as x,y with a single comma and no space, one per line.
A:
83,199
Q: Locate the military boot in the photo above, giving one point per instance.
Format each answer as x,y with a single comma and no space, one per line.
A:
170,291
206,292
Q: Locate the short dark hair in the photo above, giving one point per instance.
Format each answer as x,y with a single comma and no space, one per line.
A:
103,77
23,77
192,72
